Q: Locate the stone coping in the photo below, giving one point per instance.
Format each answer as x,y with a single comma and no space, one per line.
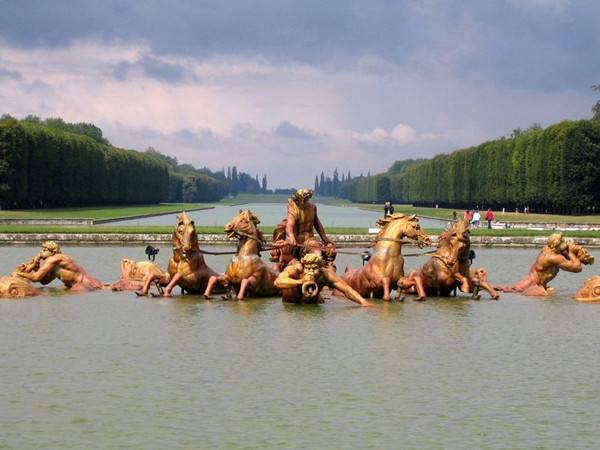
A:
342,240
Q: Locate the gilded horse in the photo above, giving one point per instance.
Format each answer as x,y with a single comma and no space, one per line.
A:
449,268
187,268
246,271
386,267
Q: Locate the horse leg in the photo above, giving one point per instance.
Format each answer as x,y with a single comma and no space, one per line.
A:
386,288
250,281
209,286
147,282
172,284
419,286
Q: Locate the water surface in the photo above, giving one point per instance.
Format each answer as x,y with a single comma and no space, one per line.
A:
109,370
271,214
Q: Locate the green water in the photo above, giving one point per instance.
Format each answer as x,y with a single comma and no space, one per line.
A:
109,370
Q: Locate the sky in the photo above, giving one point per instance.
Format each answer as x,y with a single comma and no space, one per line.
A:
291,88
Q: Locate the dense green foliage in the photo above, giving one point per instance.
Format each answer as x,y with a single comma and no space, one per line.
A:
45,166
51,163
556,169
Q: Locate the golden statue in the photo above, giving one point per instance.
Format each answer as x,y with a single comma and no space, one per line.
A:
449,269
557,254
590,291
13,286
386,267
187,268
50,264
301,221
133,274
246,271
302,282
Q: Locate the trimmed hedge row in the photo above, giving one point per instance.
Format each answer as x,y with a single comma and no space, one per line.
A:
43,167
556,170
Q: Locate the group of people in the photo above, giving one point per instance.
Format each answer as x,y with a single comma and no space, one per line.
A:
473,216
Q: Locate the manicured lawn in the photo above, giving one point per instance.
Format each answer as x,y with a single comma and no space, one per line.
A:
100,212
266,230
446,214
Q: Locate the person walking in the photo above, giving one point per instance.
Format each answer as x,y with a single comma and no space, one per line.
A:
476,219
489,216
388,208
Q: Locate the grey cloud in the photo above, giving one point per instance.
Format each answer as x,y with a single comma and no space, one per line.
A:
530,47
153,68
289,130
12,74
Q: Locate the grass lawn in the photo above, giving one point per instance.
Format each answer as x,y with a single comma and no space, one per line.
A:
266,230
100,212
446,214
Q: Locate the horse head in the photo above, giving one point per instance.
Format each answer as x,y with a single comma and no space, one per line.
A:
185,237
244,225
397,226
454,243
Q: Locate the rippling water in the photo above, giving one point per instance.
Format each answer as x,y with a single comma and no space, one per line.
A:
108,370
272,213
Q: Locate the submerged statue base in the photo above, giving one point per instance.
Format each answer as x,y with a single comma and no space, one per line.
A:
590,291
13,286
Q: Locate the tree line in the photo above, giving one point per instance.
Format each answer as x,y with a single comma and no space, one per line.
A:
556,169
52,163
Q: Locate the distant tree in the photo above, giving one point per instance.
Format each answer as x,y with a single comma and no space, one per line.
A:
535,126
596,107
170,160
322,184
234,181
335,184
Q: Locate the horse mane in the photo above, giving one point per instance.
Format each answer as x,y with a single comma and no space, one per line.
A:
385,221
254,219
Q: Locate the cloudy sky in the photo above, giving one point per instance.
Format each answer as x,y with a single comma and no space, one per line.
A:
288,88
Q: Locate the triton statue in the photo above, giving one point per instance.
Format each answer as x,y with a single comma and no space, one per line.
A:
557,254
302,282
50,264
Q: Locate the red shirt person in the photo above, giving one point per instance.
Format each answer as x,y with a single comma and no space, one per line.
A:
489,216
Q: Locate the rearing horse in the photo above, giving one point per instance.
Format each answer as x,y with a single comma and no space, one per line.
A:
386,266
187,267
449,268
246,270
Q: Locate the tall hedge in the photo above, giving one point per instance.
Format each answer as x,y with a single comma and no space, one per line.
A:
44,167
556,170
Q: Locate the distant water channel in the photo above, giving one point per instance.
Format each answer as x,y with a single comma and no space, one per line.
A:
109,370
272,213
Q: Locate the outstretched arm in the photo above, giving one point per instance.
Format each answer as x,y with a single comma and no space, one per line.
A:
287,279
41,273
344,287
